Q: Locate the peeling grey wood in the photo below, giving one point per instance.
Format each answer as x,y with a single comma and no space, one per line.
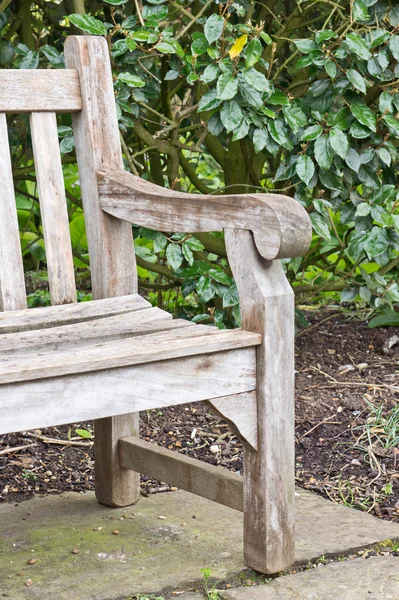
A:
267,307
28,90
53,207
280,225
12,281
112,260
86,396
200,478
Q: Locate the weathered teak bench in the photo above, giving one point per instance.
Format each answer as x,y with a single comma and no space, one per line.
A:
109,358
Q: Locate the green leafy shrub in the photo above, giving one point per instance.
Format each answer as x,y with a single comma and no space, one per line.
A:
239,96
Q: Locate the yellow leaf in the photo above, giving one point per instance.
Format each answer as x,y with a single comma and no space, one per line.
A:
238,45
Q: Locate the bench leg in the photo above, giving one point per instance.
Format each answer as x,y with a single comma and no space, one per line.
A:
267,306
115,486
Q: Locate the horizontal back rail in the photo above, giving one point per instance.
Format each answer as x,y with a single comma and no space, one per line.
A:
12,283
29,90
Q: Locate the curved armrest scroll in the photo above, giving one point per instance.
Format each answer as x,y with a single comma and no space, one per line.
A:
280,225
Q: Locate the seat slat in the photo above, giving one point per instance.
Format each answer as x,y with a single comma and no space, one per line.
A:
176,343
12,282
53,207
90,332
52,316
28,90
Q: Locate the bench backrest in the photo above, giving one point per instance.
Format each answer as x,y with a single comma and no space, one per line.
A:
85,89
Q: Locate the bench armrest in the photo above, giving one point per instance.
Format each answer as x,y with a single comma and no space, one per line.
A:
280,225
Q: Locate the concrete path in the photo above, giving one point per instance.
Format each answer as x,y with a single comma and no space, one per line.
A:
376,578
83,551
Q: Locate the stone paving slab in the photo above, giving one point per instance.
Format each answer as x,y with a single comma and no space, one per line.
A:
163,543
376,578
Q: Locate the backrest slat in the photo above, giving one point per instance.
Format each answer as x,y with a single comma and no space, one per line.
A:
27,90
12,283
53,207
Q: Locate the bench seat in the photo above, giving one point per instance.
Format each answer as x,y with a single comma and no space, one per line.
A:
112,352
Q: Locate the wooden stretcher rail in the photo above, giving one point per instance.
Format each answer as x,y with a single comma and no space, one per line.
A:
190,474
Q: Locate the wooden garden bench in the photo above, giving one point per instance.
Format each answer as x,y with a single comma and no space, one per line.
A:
111,357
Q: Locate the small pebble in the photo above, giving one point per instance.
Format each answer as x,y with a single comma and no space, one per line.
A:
161,517
31,561
75,551
115,532
28,582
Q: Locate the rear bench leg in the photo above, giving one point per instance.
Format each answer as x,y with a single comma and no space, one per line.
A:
112,263
267,307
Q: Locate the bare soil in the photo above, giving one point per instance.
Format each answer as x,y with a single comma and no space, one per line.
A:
344,376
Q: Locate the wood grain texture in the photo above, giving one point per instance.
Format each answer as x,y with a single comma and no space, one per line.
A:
112,260
54,316
267,307
89,332
241,414
12,281
53,207
280,225
28,90
190,474
82,397
164,345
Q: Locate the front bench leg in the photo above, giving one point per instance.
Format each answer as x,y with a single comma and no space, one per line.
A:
115,486
267,307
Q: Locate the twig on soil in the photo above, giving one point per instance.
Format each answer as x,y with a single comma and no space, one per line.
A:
316,324
47,440
12,450
369,385
316,426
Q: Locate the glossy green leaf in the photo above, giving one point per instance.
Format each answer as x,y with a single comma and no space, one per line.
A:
352,159
253,52
131,80
385,103
88,24
331,69
320,226
295,117
165,47
210,74
209,101
323,152
357,46
231,115
330,180
278,98
260,138
213,28
227,86
279,133
258,81
199,45
312,133
241,131
339,142
356,80
393,124
364,115
394,46
305,168
174,256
